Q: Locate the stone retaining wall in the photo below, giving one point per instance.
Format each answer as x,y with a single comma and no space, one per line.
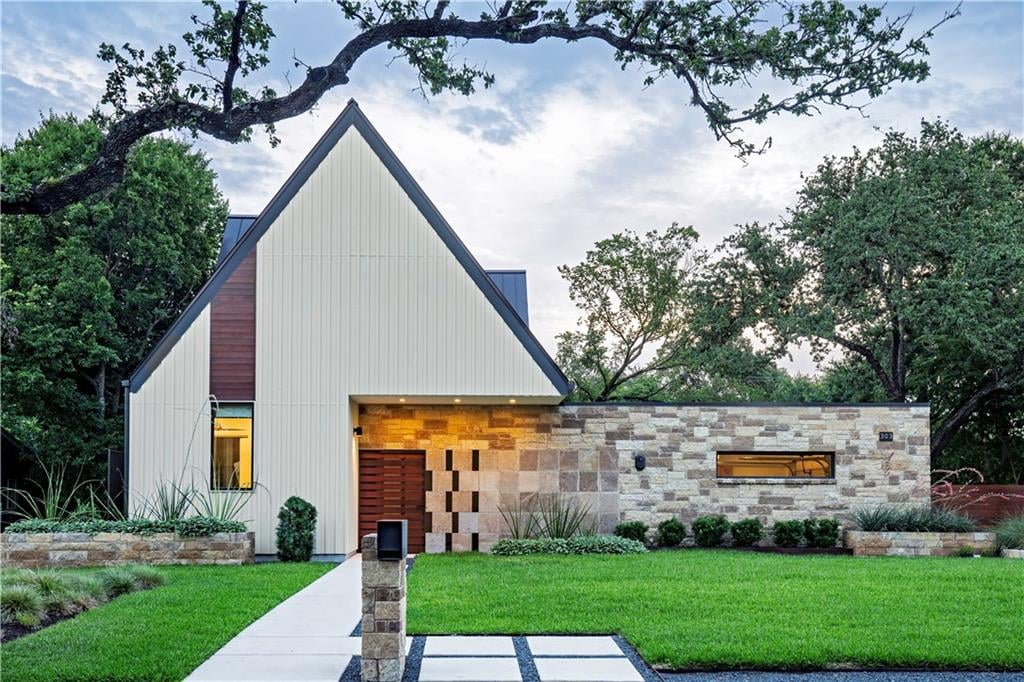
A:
480,457
1013,553
66,550
872,543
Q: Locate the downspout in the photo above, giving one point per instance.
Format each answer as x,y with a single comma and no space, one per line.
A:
126,384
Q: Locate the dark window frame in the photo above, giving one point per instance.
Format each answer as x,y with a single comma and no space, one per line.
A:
213,447
829,455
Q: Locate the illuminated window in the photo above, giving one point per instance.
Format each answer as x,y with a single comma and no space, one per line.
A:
232,447
776,465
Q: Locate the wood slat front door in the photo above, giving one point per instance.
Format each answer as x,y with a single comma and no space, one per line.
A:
392,486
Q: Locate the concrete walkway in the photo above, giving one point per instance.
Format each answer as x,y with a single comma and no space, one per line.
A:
305,637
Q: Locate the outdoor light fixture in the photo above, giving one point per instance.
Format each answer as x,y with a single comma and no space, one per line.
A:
640,462
458,400
512,400
401,400
358,431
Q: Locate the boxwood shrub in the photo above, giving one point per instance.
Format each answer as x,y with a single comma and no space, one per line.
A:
632,530
821,532
747,533
296,523
708,531
581,544
194,526
788,533
671,532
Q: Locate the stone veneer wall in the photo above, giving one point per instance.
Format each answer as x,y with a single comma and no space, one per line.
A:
481,456
872,543
66,550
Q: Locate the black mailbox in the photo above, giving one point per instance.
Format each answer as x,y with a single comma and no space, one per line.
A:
392,539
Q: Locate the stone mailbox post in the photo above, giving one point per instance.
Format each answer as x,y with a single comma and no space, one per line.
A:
383,622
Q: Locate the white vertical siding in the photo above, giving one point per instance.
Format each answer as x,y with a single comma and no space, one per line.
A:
356,294
169,417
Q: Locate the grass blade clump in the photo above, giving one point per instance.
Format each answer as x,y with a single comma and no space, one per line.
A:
1010,533
920,518
22,605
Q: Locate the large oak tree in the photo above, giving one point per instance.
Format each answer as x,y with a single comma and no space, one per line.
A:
88,290
810,55
907,259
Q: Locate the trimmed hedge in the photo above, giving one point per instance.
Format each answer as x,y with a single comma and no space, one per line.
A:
296,523
671,532
581,544
708,531
632,530
821,532
747,533
788,533
196,526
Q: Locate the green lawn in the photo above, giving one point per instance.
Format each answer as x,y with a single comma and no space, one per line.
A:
705,609
160,634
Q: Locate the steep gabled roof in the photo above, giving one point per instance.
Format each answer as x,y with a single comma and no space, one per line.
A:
227,262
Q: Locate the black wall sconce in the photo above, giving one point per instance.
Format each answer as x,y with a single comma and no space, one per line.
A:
640,462
358,431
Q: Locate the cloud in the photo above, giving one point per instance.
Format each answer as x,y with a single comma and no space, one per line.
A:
565,149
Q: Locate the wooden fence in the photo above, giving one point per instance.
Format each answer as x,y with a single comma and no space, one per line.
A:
990,503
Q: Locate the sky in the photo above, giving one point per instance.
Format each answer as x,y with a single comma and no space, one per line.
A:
564,150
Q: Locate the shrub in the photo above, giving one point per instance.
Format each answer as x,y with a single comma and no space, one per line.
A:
632,530
194,526
21,604
708,531
747,533
821,532
922,518
296,523
965,551
1010,533
671,532
582,544
788,533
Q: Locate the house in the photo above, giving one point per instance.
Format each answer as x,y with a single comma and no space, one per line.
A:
350,350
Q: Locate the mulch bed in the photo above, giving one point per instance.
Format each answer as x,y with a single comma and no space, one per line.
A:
13,631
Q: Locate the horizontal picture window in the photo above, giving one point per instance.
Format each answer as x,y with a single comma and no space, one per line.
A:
776,465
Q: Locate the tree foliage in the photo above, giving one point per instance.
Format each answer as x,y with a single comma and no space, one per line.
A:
89,289
907,259
650,329
816,54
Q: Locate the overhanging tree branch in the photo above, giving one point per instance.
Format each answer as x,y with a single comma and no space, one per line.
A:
827,52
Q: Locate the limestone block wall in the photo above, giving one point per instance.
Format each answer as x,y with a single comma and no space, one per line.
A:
67,550
482,456
870,543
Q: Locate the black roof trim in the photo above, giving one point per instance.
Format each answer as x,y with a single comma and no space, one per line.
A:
644,403
351,115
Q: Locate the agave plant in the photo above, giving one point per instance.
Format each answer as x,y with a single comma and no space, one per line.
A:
564,516
520,518
55,499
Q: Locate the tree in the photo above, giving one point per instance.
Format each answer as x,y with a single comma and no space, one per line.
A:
89,289
820,53
650,329
907,259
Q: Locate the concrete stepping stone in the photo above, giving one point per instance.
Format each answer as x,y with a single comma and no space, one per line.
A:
587,670
457,669
469,646
573,646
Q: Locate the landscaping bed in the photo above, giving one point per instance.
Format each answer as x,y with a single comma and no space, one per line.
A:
726,610
160,634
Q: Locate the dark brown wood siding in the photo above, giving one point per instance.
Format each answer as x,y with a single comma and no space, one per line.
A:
233,335
392,485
